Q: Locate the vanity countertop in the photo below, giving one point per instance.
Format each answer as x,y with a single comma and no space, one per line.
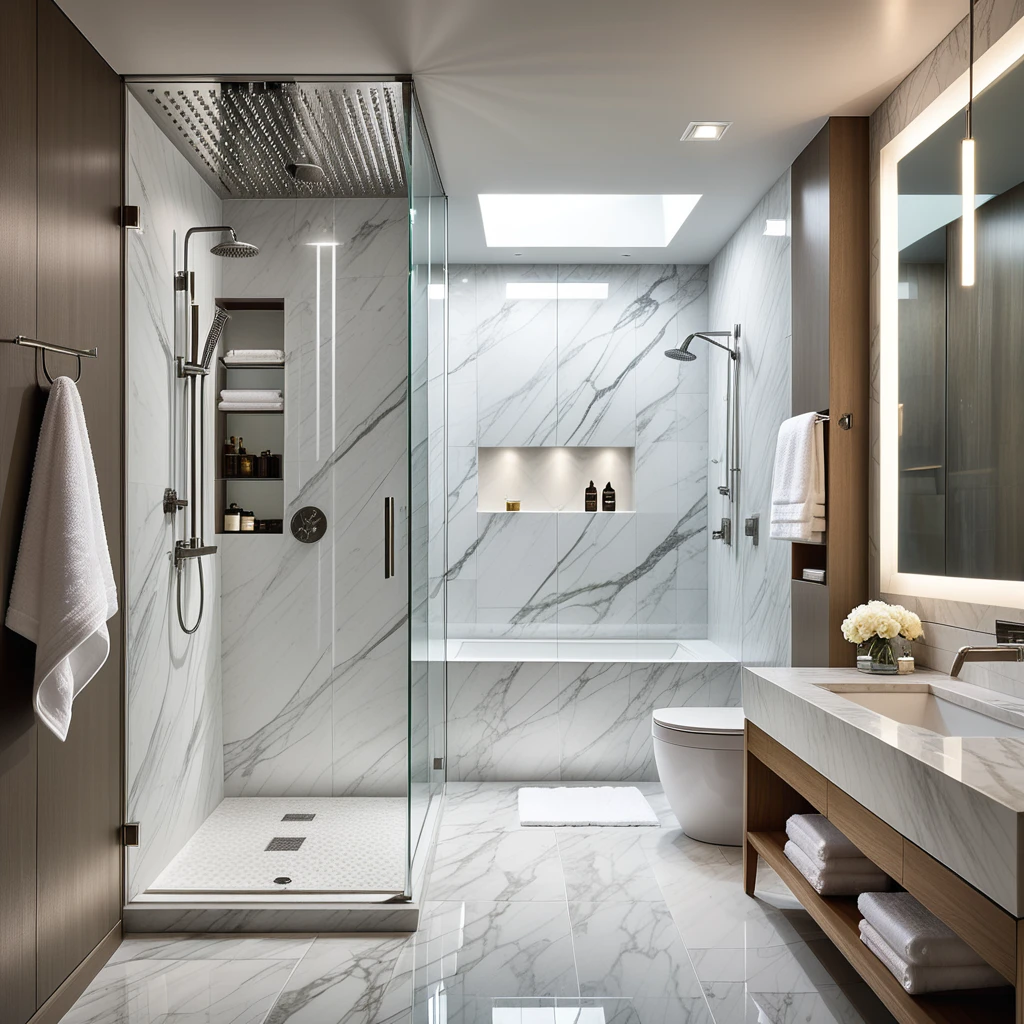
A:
959,798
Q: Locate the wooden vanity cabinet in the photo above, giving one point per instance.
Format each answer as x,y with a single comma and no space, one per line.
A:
777,783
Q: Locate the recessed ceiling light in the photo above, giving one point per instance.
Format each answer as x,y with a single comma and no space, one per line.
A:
584,221
774,227
705,131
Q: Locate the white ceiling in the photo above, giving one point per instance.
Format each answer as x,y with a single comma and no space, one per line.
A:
553,96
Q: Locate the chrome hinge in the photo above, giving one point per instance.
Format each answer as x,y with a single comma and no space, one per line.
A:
130,833
438,763
725,533
131,217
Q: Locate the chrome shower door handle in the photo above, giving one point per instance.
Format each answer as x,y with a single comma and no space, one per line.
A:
389,538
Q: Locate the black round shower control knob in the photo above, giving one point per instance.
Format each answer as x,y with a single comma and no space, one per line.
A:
309,524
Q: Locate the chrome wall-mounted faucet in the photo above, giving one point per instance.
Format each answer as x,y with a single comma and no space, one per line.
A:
998,652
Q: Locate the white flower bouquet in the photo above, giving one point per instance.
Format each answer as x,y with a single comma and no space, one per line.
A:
879,630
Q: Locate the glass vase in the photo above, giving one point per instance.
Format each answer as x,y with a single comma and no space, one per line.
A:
881,655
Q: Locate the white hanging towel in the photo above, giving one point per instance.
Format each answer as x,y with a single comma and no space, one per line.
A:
798,483
63,591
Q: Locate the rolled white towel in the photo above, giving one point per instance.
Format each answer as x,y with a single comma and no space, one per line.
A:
255,395
819,838
831,882
251,406
254,355
913,932
917,980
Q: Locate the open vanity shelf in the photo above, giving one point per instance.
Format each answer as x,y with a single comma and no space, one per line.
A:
777,783
258,324
553,479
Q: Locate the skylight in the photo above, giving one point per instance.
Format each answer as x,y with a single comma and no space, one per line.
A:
583,221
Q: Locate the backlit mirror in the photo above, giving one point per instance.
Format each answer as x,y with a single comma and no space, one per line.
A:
959,417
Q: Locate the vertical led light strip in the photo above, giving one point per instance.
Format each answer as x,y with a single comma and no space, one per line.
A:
334,343
967,229
967,183
316,356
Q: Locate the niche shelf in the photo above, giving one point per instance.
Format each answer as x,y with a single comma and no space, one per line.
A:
258,324
554,479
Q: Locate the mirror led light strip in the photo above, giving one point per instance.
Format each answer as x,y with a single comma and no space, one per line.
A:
967,181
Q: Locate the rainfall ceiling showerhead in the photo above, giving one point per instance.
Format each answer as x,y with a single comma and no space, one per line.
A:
683,353
234,249
307,173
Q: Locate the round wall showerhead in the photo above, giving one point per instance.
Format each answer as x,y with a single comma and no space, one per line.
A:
308,174
681,354
235,249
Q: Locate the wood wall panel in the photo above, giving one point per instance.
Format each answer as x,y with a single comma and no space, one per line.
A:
21,406
79,304
848,370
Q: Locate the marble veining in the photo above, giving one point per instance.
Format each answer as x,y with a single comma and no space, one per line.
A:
174,721
536,372
314,642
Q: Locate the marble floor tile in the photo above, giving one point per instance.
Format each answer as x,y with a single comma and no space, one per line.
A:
630,949
481,807
710,908
606,865
496,866
495,949
340,980
182,992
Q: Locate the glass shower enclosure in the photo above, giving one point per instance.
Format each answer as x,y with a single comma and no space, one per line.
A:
292,747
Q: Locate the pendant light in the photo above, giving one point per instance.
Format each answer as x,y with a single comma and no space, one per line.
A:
967,182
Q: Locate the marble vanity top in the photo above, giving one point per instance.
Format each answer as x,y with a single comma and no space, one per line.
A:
959,798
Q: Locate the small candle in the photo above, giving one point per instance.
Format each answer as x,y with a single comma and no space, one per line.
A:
905,665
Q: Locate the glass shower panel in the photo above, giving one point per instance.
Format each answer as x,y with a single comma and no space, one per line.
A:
428,208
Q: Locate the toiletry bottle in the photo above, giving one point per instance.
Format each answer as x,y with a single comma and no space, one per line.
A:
232,519
229,445
590,498
248,522
608,498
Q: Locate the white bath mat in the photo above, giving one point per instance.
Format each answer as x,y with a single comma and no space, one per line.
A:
585,805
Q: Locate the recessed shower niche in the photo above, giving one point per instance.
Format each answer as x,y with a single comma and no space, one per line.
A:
250,403
553,479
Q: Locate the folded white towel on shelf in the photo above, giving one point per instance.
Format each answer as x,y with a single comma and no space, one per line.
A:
798,481
254,355
63,591
819,838
918,980
250,406
255,395
913,932
832,882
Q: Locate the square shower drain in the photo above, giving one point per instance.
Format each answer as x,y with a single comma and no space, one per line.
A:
284,843
298,817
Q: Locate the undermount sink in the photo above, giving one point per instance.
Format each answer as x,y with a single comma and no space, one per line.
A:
929,711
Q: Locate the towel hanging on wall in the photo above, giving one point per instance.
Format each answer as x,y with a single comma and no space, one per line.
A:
798,482
63,591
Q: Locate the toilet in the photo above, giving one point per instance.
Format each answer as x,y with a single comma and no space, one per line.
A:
699,754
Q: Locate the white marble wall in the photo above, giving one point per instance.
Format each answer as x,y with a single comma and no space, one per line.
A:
315,642
175,757
534,372
569,721
750,283
948,624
